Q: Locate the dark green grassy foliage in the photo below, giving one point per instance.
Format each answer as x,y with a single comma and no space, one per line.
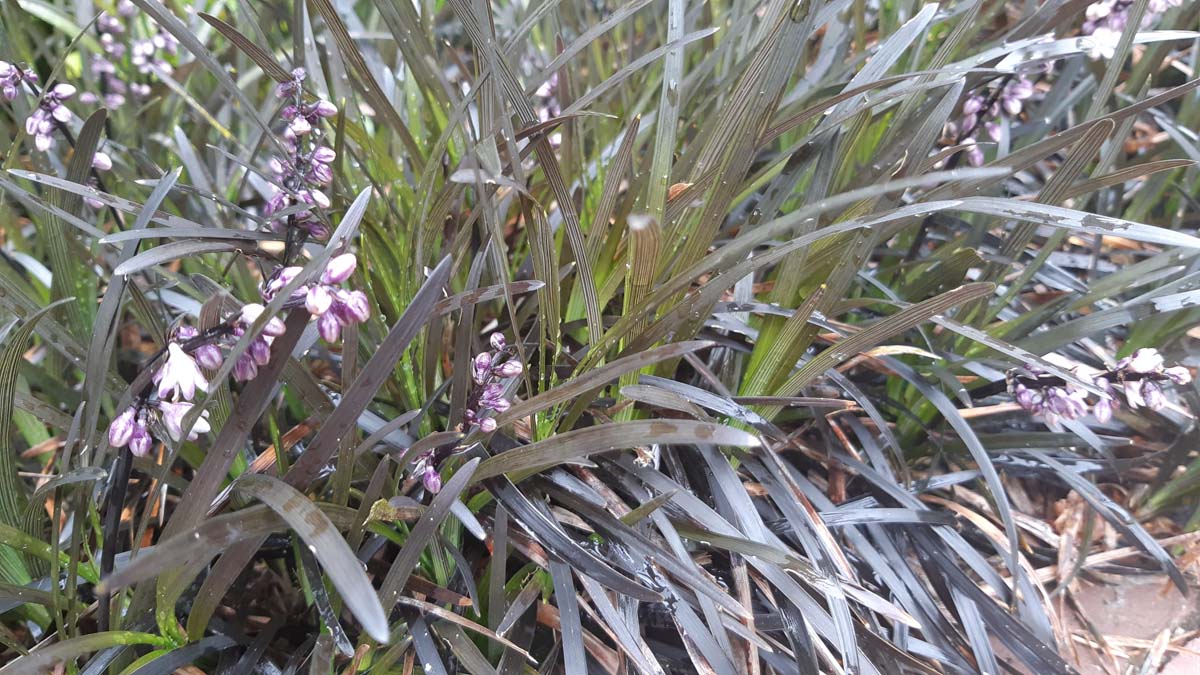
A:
763,308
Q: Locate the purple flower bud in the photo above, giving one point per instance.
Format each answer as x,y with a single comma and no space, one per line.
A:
140,442
972,105
339,269
102,162
245,369
1056,401
251,311
510,368
498,342
1023,396
318,300
431,479
1178,374
1133,394
355,306
329,327
1103,410
121,429
324,155
260,351
324,108
300,126
1153,395
481,366
62,91
208,356
487,425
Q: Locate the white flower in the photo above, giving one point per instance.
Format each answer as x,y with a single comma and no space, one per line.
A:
1104,43
180,375
172,417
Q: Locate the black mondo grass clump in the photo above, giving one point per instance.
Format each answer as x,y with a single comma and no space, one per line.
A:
586,336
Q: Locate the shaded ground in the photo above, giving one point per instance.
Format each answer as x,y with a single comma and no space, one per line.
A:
1133,612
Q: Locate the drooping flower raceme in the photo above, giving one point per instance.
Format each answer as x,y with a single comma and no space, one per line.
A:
984,110
1137,378
179,374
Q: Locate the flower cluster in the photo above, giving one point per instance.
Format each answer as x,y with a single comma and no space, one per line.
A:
11,77
305,170
1107,19
333,307
1138,378
984,109
113,31
49,112
489,370
181,374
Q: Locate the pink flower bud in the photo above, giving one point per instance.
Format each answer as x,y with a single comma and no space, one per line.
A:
508,369
1153,395
140,443
318,300
432,480
324,155
102,162
245,369
324,108
208,356
339,269
329,327
121,429
355,305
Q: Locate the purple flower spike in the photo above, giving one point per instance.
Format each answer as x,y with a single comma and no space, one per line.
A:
339,269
